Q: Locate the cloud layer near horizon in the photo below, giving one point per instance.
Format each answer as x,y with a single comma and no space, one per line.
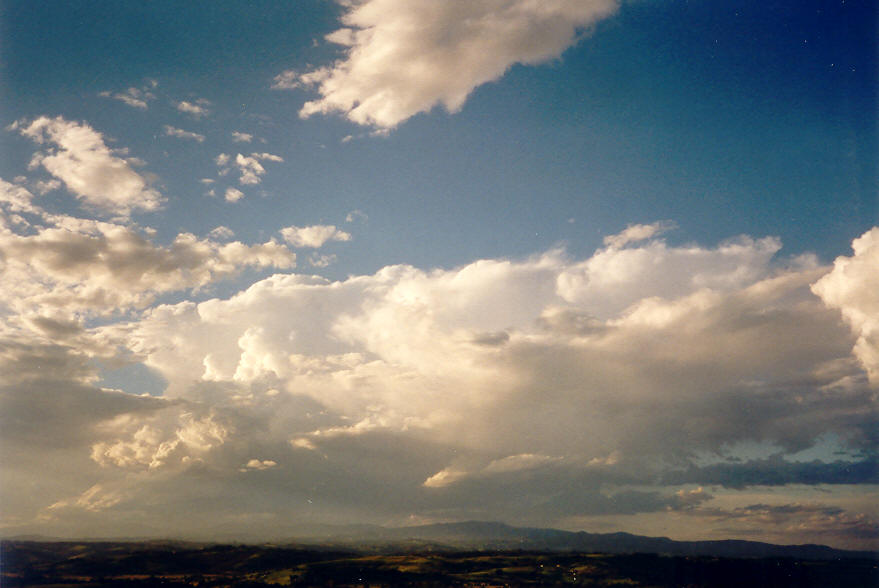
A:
403,57
435,390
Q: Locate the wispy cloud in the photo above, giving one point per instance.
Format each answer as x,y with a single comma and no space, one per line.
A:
181,134
134,97
197,109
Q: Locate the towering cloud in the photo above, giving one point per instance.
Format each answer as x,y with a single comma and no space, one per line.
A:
570,379
853,288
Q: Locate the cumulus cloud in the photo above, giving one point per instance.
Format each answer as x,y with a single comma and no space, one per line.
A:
181,134
402,57
593,386
82,265
152,448
15,198
724,349
77,155
197,109
45,186
233,194
256,464
251,170
221,232
249,167
314,235
239,137
853,288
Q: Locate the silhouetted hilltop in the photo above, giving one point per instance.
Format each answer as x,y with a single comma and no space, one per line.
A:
494,535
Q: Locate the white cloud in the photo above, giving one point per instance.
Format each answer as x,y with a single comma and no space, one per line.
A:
98,267
233,194
286,80
134,97
77,155
403,57
515,463
241,137
663,371
445,477
431,389
268,157
256,464
853,287
221,232
313,236
198,109
94,499
16,198
45,186
522,462
636,233
152,448
181,134
321,260
249,167
615,278
356,215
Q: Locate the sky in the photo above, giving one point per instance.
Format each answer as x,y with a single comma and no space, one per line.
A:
595,265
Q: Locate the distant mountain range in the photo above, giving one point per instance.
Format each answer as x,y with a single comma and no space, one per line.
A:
481,536
491,535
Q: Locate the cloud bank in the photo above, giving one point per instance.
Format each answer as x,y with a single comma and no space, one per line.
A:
595,387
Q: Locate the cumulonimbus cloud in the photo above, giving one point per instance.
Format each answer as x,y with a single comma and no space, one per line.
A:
574,380
403,57
853,287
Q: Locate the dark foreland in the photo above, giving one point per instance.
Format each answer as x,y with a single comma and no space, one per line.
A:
459,554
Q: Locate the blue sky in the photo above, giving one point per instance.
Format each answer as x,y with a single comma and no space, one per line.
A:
487,216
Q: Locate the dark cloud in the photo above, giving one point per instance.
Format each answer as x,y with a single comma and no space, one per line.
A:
777,471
